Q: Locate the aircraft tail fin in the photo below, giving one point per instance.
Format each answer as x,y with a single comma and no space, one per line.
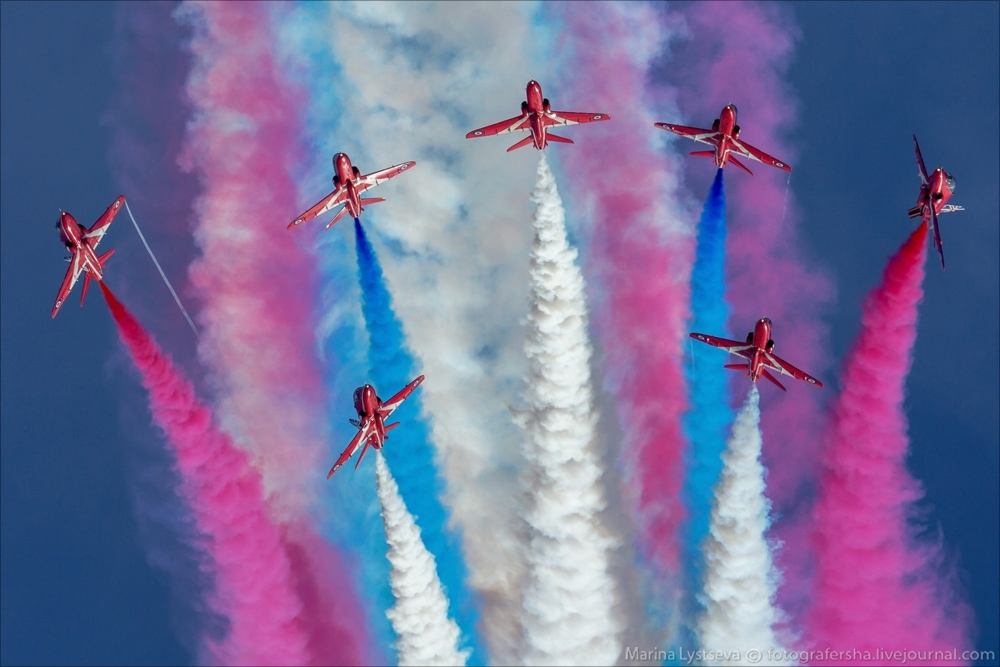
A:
337,217
521,144
703,153
740,165
770,377
557,138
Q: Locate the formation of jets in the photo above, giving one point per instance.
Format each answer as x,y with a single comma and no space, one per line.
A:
536,118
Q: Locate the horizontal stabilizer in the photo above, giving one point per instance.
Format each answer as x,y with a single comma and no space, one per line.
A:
951,208
740,165
703,153
771,378
363,450
337,217
557,138
737,367
372,200
914,212
391,426
521,144
355,423
86,284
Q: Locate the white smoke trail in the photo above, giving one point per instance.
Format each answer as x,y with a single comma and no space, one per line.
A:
569,597
427,636
740,581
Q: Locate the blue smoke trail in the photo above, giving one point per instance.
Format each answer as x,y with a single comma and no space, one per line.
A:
709,415
408,450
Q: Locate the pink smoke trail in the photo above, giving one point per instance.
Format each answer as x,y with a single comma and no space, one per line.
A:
877,587
739,53
253,586
640,252
257,283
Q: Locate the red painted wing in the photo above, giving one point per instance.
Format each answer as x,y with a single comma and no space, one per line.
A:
362,436
325,204
756,154
563,118
72,275
515,124
777,363
100,228
922,170
730,346
389,406
704,136
369,181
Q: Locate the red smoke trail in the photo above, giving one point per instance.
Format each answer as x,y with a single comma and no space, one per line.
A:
739,52
256,280
876,585
640,253
265,586
253,579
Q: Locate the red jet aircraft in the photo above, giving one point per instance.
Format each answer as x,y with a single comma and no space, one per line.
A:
758,350
536,117
82,243
935,191
724,135
348,186
372,428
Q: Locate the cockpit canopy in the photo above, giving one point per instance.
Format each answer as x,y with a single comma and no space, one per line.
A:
950,180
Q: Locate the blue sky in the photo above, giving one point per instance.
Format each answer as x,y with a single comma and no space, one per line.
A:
76,584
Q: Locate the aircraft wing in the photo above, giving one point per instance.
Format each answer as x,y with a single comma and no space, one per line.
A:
730,346
553,118
362,436
388,407
100,228
777,363
325,204
756,154
369,181
72,275
703,136
515,124
922,170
